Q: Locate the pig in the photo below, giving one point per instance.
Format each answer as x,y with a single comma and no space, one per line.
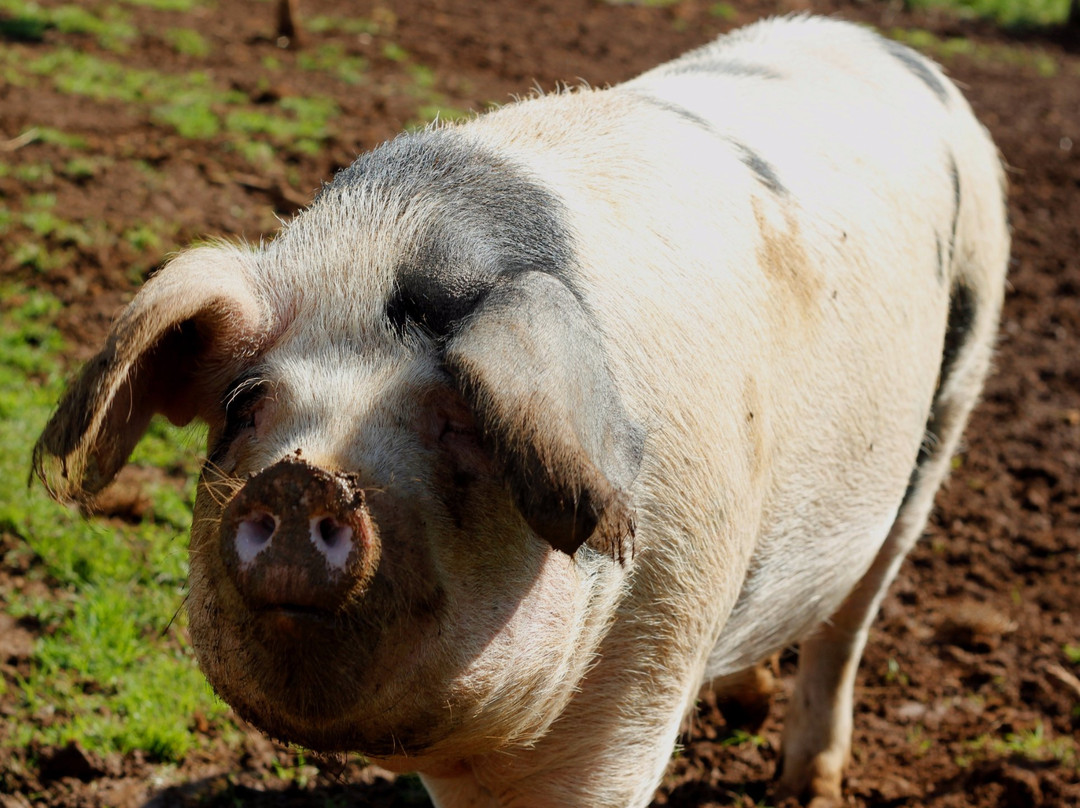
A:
531,427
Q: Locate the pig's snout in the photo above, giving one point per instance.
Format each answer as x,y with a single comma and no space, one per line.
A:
298,539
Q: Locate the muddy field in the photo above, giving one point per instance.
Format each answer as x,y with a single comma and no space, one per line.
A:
969,692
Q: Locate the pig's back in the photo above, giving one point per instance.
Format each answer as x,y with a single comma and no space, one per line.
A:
766,231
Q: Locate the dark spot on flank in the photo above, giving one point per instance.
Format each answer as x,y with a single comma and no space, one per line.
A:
961,321
954,177
913,478
918,66
761,167
938,249
962,311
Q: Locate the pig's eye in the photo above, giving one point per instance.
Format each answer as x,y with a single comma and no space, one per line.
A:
241,405
240,409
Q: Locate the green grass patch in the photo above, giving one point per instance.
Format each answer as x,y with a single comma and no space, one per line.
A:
29,21
1034,746
170,5
37,238
323,24
948,48
55,137
394,52
111,668
332,59
1010,13
81,168
740,737
647,3
187,42
191,114
724,11
303,128
33,173
189,103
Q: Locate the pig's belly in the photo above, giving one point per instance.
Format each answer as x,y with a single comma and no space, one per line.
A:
797,579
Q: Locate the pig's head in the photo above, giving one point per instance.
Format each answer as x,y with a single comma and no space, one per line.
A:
419,466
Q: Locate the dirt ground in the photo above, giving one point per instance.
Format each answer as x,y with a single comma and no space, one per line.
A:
967,695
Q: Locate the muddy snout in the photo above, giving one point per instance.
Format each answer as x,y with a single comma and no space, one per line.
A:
298,539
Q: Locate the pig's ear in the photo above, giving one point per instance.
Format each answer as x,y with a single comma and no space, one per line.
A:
530,364
173,350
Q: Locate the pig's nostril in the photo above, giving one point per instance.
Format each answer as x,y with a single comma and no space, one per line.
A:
333,539
330,531
253,535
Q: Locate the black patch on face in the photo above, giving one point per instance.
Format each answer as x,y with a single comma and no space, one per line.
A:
918,67
489,270
484,222
722,67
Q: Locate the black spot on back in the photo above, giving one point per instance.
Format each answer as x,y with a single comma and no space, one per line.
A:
918,66
722,67
675,109
761,167
483,221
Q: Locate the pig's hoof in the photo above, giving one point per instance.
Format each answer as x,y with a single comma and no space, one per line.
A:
812,781
744,698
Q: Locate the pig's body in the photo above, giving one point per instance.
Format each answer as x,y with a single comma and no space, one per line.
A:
692,331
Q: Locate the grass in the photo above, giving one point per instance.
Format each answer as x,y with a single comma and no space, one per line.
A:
111,666
648,3
947,48
1009,13
893,673
187,42
169,5
29,21
39,239
55,137
189,103
331,58
740,737
725,11
1034,745
323,24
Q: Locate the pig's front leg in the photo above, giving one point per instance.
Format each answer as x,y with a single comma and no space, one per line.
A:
609,750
